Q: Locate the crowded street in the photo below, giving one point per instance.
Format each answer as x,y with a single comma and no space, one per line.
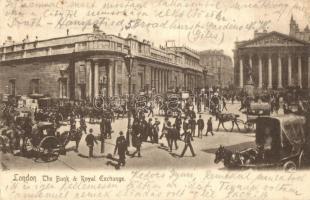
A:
152,155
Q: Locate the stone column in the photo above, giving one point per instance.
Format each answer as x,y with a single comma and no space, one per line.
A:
299,72
260,72
110,77
269,72
89,79
280,72
250,61
96,78
241,73
152,78
162,80
308,71
289,70
159,81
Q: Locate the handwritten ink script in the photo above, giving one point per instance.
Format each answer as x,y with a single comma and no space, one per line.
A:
196,20
153,184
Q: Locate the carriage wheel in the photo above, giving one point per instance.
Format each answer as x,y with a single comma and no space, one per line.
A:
49,149
289,166
301,160
248,126
64,138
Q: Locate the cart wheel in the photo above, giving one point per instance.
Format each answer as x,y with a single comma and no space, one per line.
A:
64,138
301,160
248,126
49,149
289,166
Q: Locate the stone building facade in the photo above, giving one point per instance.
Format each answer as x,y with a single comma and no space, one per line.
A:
275,60
219,66
86,65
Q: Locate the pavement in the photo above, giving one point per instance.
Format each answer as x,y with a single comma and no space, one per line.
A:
154,156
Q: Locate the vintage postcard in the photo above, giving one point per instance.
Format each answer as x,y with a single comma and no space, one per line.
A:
155,99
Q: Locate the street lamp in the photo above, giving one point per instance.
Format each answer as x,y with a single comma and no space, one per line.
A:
129,65
210,90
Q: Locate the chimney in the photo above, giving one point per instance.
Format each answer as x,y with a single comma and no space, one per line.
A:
129,35
67,32
135,37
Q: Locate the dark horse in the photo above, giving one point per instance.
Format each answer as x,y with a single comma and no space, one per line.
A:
72,135
226,117
233,160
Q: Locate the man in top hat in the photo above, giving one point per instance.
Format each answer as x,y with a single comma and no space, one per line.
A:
121,148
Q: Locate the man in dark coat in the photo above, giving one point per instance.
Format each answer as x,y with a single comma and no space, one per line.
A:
178,125
174,134
121,148
103,134
149,130
90,141
108,128
192,124
137,137
156,130
201,126
209,127
188,143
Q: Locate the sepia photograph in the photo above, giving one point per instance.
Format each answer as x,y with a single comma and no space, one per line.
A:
160,97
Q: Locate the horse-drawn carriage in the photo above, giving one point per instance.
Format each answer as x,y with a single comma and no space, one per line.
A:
253,112
280,143
43,142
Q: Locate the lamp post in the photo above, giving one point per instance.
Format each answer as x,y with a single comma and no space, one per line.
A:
129,65
210,90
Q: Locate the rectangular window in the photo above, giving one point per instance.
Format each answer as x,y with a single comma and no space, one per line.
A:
12,87
35,86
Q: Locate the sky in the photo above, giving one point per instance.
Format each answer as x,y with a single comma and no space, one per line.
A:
198,24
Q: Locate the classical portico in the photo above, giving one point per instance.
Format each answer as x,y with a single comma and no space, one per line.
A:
277,61
96,76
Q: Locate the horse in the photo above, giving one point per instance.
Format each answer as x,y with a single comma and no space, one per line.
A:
226,117
119,111
233,160
72,135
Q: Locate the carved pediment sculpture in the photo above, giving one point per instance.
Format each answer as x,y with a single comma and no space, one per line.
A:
273,39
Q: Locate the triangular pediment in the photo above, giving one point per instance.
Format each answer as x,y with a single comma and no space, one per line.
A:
274,39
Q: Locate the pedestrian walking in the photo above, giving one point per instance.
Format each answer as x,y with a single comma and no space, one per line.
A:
149,131
174,133
201,126
178,125
193,126
209,127
156,130
224,104
121,148
188,143
90,141
137,142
